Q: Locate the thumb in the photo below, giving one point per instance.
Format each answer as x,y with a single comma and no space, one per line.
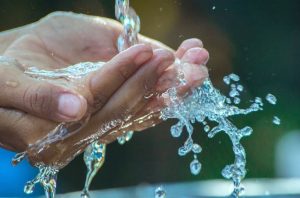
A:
39,98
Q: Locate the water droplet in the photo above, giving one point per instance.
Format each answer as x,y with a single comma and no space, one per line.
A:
226,80
276,120
271,99
237,100
29,188
160,192
121,140
240,88
258,101
18,158
206,128
214,7
234,77
196,148
228,101
176,130
233,93
148,95
128,135
247,131
195,167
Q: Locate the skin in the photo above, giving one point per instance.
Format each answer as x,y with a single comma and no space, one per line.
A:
31,108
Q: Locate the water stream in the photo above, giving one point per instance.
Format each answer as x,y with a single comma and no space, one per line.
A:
206,106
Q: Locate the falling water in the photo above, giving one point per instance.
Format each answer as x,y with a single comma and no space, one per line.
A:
129,37
204,105
94,157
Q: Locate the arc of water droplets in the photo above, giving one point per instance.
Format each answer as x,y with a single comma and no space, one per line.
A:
93,157
206,103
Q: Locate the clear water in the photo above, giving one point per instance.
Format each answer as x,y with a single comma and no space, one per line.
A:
131,27
271,99
94,157
47,178
125,138
205,105
276,120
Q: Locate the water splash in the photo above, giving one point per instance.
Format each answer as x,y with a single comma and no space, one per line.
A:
206,103
93,157
47,178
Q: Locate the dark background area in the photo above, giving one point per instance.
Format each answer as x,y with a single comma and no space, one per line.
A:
258,40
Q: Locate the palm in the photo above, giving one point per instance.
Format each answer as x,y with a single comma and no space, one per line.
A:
57,42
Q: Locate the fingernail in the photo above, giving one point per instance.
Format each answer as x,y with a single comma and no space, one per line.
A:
69,105
193,56
142,57
167,59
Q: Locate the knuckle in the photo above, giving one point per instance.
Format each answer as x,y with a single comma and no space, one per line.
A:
38,99
123,72
148,85
55,15
121,113
100,100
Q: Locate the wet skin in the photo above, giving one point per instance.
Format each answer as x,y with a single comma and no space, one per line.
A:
31,108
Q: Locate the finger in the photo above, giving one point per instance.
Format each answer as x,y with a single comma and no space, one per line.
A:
37,97
125,99
194,73
193,68
196,55
138,90
18,130
186,45
105,82
128,99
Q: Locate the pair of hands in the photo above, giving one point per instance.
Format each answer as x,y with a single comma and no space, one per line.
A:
30,108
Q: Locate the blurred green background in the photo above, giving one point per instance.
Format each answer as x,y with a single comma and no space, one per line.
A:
258,40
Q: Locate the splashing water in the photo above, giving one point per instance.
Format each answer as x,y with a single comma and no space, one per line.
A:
204,104
129,37
94,157
47,178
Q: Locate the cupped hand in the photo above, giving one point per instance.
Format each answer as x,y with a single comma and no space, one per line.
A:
117,91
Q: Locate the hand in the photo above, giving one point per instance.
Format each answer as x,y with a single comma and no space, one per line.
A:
28,133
